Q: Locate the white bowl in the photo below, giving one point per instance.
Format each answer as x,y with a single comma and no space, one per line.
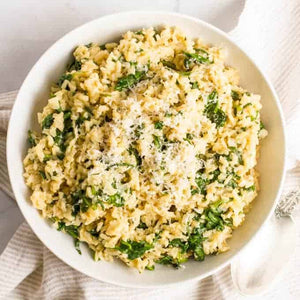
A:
34,94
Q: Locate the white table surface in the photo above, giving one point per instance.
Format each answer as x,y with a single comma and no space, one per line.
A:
29,27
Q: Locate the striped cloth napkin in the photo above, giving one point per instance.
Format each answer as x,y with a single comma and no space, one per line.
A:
269,32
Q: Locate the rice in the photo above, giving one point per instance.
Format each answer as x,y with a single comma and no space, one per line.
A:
147,150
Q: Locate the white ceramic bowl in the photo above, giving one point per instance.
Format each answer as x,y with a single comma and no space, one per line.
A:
34,94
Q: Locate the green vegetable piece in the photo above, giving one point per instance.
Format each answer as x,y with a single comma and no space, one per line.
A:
116,200
159,125
213,112
238,154
72,230
77,246
134,249
135,152
43,174
47,122
235,95
195,85
188,138
130,80
31,139
200,57
142,225
157,141
150,268
47,157
179,244
139,130
250,188
169,64
63,78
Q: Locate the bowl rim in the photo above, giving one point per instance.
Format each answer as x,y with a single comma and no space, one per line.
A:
9,144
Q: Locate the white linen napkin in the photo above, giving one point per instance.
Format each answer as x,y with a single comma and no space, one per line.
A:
269,32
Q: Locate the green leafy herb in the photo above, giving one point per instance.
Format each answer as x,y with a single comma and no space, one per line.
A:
43,174
195,242
188,138
169,64
169,260
157,141
238,154
185,73
72,230
130,80
47,157
150,268
47,122
178,243
134,249
120,165
80,202
200,57
140,32
63,78
142,225
213,112
235,95
139,130
135,152
250,188
31,139
159,125
261,125
77,246
116,200
195,85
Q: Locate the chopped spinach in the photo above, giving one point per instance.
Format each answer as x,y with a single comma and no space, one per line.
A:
48,121
178,243
63,78
195,241
72,230
213,112
200,57
47,157
133,151
31,139
142,225
134,249
150,268
235,95
169,260
157,141
195,85
130,80
169,64
238,154
116,200
188,138
80,202
43,174
77,245
250,188
158,125
139,130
